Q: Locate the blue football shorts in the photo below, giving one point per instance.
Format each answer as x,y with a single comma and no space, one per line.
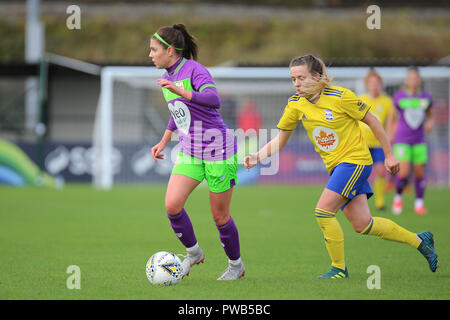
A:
350,180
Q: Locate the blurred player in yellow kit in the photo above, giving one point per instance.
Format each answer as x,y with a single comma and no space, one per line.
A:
382,108
330,116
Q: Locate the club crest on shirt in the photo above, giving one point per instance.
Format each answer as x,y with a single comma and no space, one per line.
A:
424,103
180,84
325,138
328,115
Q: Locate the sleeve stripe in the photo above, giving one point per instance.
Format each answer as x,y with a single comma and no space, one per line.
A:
294,97
331,90
208,85
332,94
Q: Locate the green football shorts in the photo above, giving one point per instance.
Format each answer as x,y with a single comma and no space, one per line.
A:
416,153
221,175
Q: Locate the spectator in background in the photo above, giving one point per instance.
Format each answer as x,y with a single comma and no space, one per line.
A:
249,116
414,118
249,120
382,109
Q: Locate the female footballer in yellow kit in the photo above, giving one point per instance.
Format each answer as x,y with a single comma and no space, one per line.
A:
382,108
330,116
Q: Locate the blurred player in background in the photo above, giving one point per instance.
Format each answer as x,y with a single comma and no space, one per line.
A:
414,118
207,147
382,109
330,116
249,120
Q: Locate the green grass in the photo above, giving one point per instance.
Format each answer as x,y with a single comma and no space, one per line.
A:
110,235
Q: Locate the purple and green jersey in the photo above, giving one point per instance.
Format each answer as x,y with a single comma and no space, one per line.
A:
203,134
412,109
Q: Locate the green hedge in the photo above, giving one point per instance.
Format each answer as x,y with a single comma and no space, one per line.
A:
248,41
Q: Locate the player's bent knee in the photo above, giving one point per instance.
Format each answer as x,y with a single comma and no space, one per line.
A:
362,226
220,220
173,207
359,228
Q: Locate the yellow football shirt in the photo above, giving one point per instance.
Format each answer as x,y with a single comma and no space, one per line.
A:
332,124
381,107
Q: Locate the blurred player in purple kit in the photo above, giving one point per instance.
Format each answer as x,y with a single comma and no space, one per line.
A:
413,119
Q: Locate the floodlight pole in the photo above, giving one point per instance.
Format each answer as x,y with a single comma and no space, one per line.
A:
34,48
34,95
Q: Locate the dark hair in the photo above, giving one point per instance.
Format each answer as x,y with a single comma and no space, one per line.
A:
414,69
179,38
315,66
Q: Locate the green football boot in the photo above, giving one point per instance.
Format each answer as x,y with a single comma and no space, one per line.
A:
334,273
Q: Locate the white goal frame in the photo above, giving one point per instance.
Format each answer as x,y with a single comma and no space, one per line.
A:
103,176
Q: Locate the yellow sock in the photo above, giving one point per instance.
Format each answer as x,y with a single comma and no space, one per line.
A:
388,230
334,237
380,187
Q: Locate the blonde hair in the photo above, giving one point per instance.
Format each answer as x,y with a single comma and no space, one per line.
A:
315,67
372,73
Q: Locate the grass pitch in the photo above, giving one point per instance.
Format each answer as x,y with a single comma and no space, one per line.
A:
110,235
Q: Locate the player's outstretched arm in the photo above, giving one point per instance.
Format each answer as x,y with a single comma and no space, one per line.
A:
391,126
391,163
272,147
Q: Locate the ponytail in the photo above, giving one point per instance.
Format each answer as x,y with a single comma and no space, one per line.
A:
179,39
190,48
317,68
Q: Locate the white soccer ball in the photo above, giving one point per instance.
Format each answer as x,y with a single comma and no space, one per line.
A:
164,268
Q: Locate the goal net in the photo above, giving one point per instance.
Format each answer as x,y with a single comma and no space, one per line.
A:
132,115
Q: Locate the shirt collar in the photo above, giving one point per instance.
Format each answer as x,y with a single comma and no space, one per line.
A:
170,70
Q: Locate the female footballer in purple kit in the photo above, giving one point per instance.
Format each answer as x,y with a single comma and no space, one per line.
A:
413,119
207,148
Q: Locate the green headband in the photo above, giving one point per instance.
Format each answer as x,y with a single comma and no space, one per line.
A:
164,41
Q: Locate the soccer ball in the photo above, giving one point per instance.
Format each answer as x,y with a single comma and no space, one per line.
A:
164,268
